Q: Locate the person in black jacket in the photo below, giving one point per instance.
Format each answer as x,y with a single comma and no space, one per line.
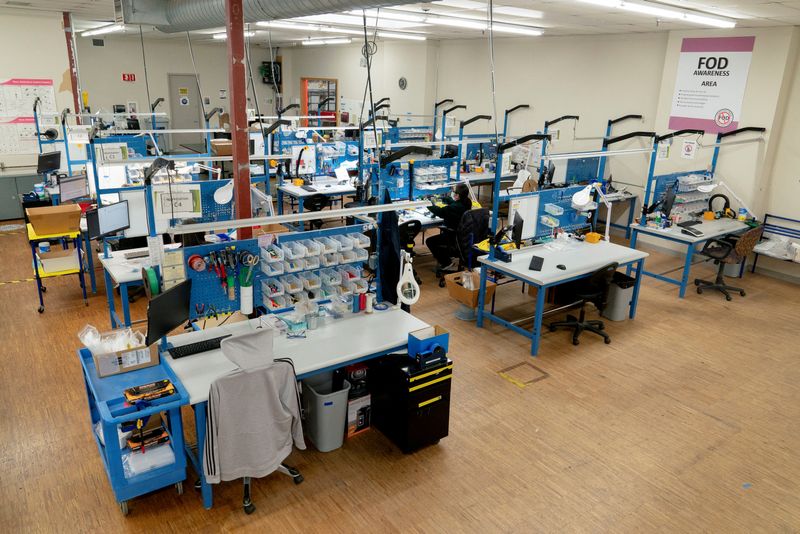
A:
442,244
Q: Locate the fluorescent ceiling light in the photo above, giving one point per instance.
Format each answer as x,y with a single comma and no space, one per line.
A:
220,36
103,30
462,4
517,30
287,25
456,22
318,42
662,12
388,15
519,12
397,35
352,20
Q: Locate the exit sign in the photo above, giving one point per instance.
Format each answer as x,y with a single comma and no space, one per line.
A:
128,77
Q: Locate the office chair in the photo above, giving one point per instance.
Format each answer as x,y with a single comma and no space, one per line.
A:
593,289
473,228
728,250
316,202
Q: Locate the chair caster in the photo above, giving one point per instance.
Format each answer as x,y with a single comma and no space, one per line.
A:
576,342
697,282
728,297
699,290
44,289
607,340
123,506
442,282
298,479
742,293
41,309
249,508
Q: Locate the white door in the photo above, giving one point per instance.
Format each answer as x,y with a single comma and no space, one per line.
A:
186,113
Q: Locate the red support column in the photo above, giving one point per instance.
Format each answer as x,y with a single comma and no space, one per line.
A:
237,88
73,64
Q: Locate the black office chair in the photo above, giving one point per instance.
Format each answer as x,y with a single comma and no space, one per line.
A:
316,202
724,251
473,228
595,290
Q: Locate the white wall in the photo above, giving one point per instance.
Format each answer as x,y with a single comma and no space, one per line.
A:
101,71
34,47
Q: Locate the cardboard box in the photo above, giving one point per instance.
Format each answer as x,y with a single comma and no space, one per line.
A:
358,415
467,297
114,363
423,340
58,260
55,220
222,147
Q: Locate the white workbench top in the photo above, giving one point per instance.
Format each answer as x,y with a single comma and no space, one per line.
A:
123,270
333,344
332,189
710,229
425,217
578,257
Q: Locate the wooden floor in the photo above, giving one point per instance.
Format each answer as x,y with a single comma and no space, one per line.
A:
687,422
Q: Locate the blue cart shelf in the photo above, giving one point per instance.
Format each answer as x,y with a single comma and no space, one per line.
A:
107,405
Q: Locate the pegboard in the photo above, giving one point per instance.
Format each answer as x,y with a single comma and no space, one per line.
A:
570,220
664,181
206,285
395,178
582,170
212,211
470,151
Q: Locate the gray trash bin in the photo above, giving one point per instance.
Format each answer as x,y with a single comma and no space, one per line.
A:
325,411
619,297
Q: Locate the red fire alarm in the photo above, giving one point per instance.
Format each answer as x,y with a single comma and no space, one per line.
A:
128,77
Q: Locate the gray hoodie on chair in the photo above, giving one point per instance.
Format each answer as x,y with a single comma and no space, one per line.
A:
253,412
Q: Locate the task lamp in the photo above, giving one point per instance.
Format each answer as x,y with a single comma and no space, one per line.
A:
582,200
710,187
407,287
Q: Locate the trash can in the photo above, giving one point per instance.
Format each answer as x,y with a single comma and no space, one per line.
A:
732,270
619,297
325,411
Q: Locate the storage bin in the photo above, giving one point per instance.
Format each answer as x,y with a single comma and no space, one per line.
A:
347,256
553,209
310,280
275,303
331,277
550,221
328,245
272,269
356,286
294,299
271,254
292,266
345,242
312,247
350,273
328,291
361,240
292,284
293,250
361,254
311,262
329,260
271,287
325,410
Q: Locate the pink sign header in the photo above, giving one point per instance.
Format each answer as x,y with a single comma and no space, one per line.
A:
27,81
718,44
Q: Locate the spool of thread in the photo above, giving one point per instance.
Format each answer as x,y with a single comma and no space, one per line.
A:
152,286
362,301
370,303
197,263
246,300
231,287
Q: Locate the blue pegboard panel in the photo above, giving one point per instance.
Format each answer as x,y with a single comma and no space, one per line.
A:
570,220
582,170
663,181
397,183
137,143
212,211
206,285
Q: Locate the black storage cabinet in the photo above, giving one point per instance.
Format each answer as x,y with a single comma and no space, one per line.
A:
410,406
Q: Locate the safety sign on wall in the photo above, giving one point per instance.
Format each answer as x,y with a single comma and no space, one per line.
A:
710,84
183,96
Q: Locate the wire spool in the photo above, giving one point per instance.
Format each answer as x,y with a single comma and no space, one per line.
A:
152,286
196,263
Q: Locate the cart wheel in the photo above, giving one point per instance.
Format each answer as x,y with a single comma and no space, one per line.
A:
41,309
249,508
44,289
742,293
123,506
179,488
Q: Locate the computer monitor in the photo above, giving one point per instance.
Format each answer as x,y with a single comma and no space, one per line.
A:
108,220
72,187
133,124
516,230
668,201
528,208
48,162
168,311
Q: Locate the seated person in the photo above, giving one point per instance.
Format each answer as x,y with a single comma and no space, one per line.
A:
442,244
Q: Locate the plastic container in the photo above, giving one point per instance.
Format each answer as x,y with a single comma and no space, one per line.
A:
293,250
329,260
328,292
350,273
316,294
272,287
311,262
272,269
328,245
331,277
272,254
325,410
361,240
275,303
293,266
361,254
310,280
246,300
357,286
345,242
553,209
619,297
550,221
346,256
312,247
295,298
292,284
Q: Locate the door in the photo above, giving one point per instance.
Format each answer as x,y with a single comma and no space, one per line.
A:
10,207
185,113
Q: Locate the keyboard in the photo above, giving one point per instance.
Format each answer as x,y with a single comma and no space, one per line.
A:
136,255
196,348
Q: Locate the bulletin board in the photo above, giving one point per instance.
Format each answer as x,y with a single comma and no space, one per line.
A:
17,127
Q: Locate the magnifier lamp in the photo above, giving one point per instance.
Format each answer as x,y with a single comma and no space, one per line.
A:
407,287
224,194
582,200
707,188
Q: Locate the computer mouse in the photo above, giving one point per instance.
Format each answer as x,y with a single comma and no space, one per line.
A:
562,266
328,185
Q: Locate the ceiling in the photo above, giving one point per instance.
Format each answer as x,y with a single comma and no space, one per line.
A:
553,17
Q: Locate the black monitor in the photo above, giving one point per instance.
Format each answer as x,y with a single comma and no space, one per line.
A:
168,311
48,162
516,230
72,187
107,220
668,201
133,124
